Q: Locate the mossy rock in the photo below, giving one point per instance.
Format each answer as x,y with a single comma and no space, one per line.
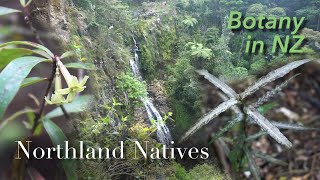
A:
201,172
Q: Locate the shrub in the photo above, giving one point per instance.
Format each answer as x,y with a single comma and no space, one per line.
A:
135,89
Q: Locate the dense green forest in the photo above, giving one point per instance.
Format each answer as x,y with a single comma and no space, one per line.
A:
156,70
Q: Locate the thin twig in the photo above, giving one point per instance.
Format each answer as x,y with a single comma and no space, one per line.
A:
66,115
37,36
51,78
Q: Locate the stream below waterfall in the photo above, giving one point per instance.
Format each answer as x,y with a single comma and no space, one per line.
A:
163,132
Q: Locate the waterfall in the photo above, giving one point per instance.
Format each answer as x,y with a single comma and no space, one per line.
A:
163,132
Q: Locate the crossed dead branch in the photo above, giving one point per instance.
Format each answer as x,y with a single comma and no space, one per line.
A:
232,100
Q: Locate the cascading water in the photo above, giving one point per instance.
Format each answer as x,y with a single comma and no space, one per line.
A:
163,132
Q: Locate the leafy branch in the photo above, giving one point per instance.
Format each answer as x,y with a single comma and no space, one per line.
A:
20,57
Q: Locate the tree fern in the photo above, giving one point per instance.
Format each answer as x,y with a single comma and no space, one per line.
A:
190,21
199,51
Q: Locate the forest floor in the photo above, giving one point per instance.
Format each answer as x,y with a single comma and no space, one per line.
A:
300,103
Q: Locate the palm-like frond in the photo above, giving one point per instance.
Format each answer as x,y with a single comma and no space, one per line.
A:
208,117
218,83
198,50
190,21
268,127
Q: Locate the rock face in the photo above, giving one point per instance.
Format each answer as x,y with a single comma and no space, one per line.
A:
51,16
159,96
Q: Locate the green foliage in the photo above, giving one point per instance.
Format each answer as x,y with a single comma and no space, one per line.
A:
212,35
184,94
206,171
184,116
17,60
81,65
78,49
41,50
114,112
85,4
258,65
148,65
311,35
135,89
233,74
182,83
58,138
308,51
203,171
199,51
277,12
5,11
310,10
80,104
141,132
166,43
9,54
9,85
31,80
256,10
25,3
190,21
180,172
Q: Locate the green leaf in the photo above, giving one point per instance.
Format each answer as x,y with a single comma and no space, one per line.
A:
41,53
78,105
235,155
28,2
15,116
38,130
106,120
7,55
23,3
12,76
81,65
27,43
5,11
32,80
253,166
67,54
58,138
265,108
